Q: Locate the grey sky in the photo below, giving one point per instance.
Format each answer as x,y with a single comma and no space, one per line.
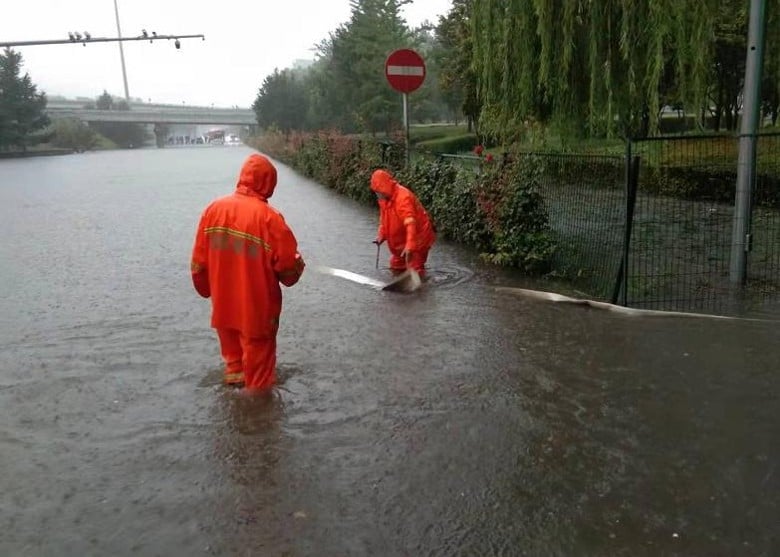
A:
245,41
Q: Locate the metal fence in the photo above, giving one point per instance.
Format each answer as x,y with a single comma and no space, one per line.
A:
653,229
585,198
763,272
680,239
682,219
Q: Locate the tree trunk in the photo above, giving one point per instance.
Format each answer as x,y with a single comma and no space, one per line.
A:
717,116
644,128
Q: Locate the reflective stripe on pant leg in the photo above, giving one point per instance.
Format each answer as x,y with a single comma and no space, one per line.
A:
259,362
232,354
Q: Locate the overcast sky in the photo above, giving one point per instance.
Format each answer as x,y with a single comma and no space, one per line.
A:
245,41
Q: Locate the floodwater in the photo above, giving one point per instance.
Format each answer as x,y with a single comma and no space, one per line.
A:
459,420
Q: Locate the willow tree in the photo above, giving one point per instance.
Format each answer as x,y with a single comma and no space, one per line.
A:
603,65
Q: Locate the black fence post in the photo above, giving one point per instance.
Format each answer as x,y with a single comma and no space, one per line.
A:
632,180
633,186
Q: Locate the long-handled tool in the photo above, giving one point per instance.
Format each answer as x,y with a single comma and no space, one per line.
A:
407,281
349,275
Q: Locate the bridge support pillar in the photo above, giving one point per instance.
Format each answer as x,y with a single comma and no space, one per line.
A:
160,133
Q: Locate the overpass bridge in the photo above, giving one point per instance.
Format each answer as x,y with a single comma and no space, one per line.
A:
156,114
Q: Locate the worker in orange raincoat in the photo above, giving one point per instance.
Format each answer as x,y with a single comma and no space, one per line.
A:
403,222
243,250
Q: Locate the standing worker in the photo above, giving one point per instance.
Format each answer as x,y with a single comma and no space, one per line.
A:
403,222
243,250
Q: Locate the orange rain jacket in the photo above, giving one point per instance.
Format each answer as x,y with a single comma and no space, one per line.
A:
243,250
403,221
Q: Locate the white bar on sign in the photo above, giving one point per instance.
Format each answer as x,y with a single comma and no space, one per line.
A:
405,70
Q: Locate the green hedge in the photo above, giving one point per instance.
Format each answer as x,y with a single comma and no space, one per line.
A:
706,184
498,210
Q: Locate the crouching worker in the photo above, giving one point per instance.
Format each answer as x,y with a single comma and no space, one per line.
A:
403,222
243,250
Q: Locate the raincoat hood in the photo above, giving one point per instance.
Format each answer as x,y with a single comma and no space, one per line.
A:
383,182
258,176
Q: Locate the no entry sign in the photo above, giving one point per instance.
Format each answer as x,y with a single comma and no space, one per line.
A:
405,70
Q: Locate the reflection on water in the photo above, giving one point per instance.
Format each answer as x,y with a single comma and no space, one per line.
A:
458,420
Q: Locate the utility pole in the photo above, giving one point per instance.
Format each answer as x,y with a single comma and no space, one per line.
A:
121,52
746,169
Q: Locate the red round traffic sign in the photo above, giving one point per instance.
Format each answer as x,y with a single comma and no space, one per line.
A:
405,70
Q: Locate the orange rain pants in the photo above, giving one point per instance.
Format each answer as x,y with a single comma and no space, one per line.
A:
248,360
416,261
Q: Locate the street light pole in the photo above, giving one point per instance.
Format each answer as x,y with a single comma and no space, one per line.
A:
121,52
84,40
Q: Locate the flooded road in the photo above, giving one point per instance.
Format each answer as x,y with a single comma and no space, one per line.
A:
456,421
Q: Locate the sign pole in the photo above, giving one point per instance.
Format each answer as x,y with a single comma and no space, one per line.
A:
406,126
405,72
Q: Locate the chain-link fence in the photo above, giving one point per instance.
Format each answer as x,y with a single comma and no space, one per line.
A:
763,271
681,231
680,240
653,229
585,199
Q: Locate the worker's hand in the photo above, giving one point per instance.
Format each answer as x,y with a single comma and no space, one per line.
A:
406,254
378,241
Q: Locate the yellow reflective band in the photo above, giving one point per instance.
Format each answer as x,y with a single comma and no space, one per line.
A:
238,234
237,377
409,220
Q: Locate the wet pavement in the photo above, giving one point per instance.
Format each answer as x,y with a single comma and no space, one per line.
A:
459,420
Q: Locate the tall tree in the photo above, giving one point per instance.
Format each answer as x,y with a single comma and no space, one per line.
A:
359,50
454,55
728,65
345,87
426,103
104,101
22,108
282,102
603,64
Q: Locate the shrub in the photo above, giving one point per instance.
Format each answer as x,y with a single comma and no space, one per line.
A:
73,134
497,209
